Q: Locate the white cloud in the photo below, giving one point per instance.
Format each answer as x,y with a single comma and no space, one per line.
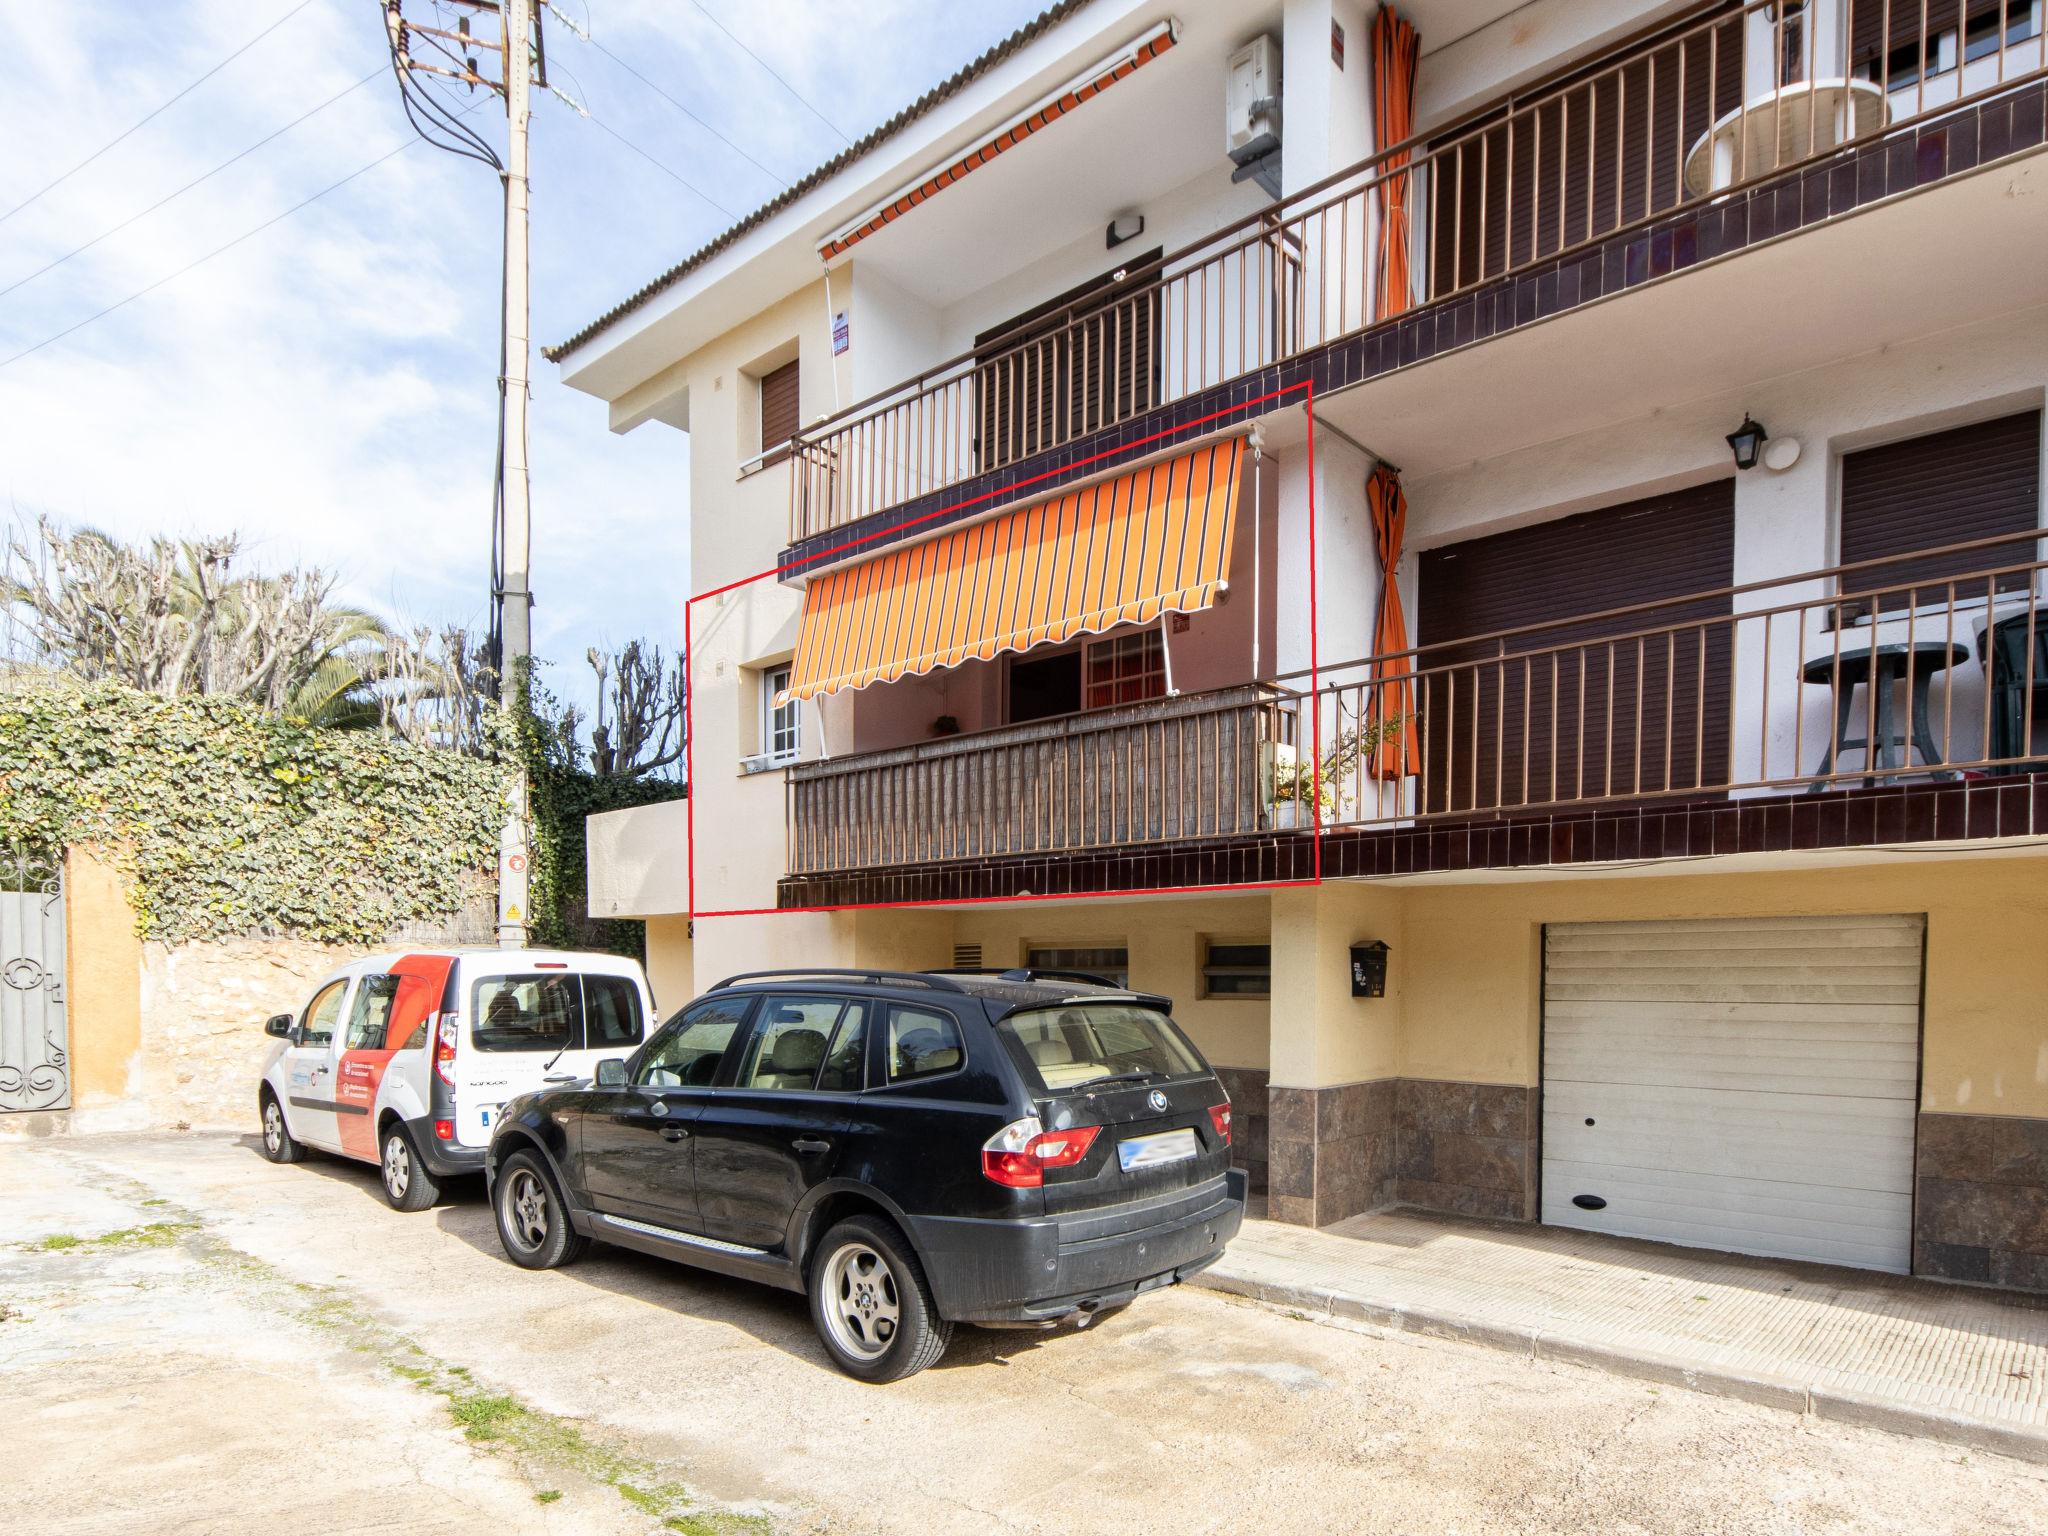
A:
328,387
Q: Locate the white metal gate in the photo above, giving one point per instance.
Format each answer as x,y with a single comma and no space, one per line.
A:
1739,1083
35,1071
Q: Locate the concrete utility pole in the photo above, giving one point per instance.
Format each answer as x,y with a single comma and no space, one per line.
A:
516,534
519,49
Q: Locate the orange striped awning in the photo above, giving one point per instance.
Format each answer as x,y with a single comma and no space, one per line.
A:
1143,52
1122,551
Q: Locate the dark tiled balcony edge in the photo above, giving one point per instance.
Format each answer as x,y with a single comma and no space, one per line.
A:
1914,156
1887,816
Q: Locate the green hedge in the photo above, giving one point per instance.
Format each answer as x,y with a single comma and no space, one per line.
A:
230,821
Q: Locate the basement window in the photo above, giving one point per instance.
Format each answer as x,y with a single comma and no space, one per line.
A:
1237,968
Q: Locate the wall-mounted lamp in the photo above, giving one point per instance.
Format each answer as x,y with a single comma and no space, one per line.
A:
1369,968
1747,441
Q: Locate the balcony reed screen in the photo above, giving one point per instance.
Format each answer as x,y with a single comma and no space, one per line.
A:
1123,551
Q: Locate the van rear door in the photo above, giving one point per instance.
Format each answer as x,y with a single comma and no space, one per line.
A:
1120,1072
517,1026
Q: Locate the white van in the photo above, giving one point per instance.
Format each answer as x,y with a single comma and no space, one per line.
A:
402,1059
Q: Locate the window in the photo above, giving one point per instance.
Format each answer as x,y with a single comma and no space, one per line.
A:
780,724
846,1066
1112,962
778,406
1236,968
526,1013
611,1012
1126,670
922,1043
371,1016
316,1025
790,1042
1067,1047
687,1053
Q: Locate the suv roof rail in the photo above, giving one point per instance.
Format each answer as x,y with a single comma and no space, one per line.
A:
864,973
1027,973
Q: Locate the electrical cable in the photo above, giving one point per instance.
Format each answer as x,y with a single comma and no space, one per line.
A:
219,250
693,117
799,95
172,196
158,112
643,154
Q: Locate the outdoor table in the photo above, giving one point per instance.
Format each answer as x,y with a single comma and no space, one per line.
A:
1845,670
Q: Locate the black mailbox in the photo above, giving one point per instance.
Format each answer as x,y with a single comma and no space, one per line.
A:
1369,969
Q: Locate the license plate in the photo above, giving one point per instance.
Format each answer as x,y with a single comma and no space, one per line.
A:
1151,1151
486,1115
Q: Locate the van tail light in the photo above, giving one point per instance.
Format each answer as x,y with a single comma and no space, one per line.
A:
1018,1155
444,1048
444,1130
1219,1116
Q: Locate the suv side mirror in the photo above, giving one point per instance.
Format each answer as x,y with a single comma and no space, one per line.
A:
611,1072
280,1025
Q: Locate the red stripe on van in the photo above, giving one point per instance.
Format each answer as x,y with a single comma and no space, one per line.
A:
422,981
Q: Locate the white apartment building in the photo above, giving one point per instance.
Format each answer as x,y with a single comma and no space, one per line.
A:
1394,527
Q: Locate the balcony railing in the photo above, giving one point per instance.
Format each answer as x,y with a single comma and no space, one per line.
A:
1754,689
1751,689
1175,770
1725,98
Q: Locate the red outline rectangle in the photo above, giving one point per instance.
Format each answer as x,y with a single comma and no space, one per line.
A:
1315,677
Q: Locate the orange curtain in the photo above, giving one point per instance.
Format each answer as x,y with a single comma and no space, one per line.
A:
1395,51
1393,694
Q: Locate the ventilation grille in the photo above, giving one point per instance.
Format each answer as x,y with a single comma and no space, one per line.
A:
966,957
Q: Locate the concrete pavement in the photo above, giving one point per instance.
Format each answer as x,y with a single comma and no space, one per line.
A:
1965,1365
286,1353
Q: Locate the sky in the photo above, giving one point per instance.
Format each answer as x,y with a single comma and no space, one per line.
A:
326,387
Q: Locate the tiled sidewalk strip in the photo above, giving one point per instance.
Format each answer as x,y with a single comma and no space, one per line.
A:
1911,1356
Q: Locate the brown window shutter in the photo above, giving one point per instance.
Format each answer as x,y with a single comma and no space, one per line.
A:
1974,482
1657,548
778,406
1086,359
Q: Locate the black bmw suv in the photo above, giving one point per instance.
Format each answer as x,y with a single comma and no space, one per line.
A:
914,1150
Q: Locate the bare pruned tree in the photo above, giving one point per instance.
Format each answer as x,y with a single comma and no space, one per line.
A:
437,688
175,617
640,723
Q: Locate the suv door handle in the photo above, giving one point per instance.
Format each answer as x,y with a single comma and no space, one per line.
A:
675,1133
811,1144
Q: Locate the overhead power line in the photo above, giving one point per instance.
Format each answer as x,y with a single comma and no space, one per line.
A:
799,95
658,165
158,112
195,181
219,250
692,116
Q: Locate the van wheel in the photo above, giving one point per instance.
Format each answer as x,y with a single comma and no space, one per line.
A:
279,1144
871,1305
533,1221
408,1184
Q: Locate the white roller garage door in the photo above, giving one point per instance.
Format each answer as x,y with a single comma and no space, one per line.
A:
1741,1083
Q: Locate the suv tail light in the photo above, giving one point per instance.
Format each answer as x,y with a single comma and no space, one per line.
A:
444,1048
1219,1116
1019,1154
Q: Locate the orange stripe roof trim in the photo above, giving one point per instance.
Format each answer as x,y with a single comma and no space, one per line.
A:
1124,551
1009,138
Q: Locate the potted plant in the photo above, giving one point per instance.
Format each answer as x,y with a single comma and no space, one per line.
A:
1297,779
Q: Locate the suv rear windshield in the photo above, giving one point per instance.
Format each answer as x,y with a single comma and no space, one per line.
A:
554,1012
1073,1045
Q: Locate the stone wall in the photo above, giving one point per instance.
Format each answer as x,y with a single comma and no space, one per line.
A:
203,1007
1981,1200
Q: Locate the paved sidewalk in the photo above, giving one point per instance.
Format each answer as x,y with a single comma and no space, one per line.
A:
1915,1356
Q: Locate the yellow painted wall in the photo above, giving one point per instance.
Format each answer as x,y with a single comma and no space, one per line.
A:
1165,941
102,981
670,963
1322,1035
1473,963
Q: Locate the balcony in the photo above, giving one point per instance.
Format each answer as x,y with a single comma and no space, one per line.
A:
1728,128
1726,721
